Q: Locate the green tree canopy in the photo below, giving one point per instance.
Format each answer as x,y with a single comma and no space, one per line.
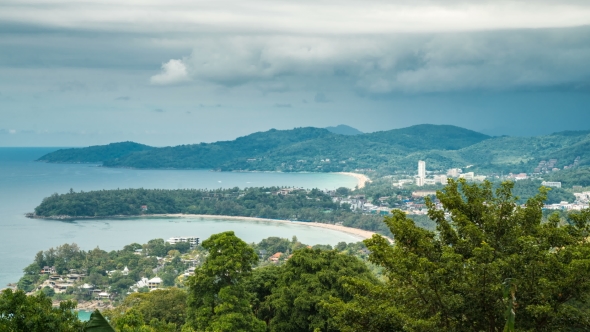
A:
22,313
454,279
156,308
218,300
309,277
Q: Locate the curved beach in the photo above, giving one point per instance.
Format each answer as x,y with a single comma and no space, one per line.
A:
361,178
360,233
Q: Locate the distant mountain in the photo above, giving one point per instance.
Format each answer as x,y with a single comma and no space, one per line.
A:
320,150
344,130
94,154
299,149
429,137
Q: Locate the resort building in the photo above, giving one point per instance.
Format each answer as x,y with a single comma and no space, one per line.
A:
194,241
154,283
551,184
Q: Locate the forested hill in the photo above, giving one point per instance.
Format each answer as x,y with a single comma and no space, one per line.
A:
302,205
299,149
320,150
94,154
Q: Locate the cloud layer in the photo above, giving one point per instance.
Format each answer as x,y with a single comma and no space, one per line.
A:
496,60
179,71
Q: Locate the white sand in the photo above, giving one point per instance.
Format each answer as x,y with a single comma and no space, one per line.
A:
361,178
362,234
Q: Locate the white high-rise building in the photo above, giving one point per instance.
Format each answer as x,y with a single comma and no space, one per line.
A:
421,173
422,169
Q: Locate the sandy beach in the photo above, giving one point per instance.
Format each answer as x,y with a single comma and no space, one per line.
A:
360,233
361,178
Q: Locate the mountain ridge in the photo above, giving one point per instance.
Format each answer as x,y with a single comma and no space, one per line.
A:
313,149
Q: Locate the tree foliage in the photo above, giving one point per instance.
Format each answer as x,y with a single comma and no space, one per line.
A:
299,205
22,313
309,277
218,300
454,279
161,307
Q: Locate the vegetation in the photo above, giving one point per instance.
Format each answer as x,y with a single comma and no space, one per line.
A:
455,279
94,154
300,149
303,205
525,189
571,177
310,277
491,265
95,264
218,300
22,313
159,310
320,150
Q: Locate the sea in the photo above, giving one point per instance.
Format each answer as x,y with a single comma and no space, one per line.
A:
24,183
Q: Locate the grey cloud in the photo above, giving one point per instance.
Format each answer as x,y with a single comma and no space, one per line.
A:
123,98
280,105
159,110
499,60
309,17
71,86
320,97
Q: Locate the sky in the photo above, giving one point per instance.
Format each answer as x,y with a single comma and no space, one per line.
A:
78,73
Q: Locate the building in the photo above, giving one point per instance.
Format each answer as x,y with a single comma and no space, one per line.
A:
421,169
275,258
420,181
423,193
454,172
551,184
467,176
442,179
154,283
193,241
48,270
520,176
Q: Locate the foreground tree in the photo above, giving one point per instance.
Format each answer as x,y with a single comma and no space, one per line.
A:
161,309
22,313
491,265
309,277
218,300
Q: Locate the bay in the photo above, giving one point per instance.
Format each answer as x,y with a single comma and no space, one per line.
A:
24,183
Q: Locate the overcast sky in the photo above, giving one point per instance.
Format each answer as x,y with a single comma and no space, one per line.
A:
167,72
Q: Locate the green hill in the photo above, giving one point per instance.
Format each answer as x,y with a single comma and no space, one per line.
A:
344,130
319,150
94,154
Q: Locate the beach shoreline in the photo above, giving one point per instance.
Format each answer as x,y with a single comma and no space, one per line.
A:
359,233
361,178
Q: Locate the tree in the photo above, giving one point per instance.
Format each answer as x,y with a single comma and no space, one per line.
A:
309,277
22,313
456,279
218,300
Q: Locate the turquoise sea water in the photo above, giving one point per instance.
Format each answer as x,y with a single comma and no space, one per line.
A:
24,183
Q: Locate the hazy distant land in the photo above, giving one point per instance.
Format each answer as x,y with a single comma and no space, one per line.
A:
320,150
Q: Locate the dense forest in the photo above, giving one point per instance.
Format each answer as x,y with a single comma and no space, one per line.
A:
320,150
491,265
301,205
95,154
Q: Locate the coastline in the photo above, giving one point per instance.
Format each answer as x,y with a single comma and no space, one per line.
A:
359,233
361,178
